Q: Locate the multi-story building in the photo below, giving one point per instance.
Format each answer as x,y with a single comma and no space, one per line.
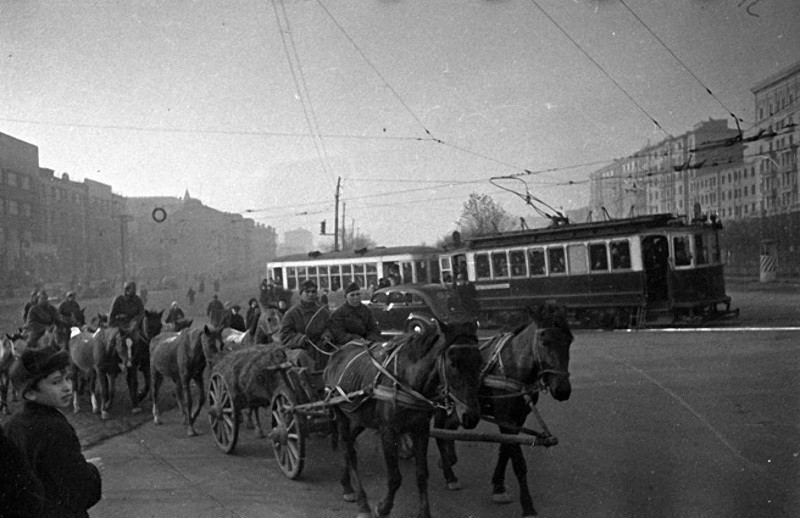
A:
772,143
297,241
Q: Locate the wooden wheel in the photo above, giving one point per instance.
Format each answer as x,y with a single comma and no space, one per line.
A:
288,441
222,414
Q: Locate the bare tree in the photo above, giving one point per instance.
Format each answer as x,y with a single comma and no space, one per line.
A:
482,215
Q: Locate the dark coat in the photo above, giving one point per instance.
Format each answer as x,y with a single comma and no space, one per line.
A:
127,307
21,493
294,323
237,322
252,317
50,445
350,323
216,312
68,308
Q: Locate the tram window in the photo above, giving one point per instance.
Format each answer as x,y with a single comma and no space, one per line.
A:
598,257
482,270
620,255
347,274
422,271
536,260
323,282
683,256
358,274
517,263
500,264
578,262
556,259
434,272
407,272
292,278
700,248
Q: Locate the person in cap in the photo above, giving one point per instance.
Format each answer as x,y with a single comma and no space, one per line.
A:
70,483
253,311
216,311
353,320
41,316
295,321
175,314
69,308
29,305
236,321
126,307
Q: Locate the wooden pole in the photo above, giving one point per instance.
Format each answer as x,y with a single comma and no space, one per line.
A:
463,435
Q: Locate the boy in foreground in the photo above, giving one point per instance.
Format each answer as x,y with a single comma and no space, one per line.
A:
49,443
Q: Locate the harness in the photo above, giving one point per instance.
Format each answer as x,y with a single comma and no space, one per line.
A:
398,392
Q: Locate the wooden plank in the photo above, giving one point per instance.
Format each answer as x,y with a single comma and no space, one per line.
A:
464,435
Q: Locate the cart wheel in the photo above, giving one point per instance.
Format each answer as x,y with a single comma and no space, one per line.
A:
222,414
288,441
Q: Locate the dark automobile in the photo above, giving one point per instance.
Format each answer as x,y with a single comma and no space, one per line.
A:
402,308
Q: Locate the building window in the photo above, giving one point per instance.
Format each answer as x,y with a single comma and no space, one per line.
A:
11,178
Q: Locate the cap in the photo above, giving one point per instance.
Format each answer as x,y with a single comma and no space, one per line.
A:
35,365
353,286
308,285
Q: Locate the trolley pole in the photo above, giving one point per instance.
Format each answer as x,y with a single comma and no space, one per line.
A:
336,218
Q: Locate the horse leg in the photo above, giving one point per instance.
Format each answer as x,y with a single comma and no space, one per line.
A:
158,378
143,368
4,382
198,381
348,434
94,388
447,453
252,414
421,437
499,495
132,377
521,471
389,442
102,380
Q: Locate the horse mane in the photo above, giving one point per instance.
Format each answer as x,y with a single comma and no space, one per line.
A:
416,345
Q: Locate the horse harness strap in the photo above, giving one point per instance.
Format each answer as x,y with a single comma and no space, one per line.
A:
501,381
406,396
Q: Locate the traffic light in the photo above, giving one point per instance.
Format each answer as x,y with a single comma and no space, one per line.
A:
322,228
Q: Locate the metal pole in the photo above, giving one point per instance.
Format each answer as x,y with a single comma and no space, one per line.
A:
344,225
336,219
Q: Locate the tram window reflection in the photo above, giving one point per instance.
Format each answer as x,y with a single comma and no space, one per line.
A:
598,257
683,256
536,260
620,255
500,264
557,260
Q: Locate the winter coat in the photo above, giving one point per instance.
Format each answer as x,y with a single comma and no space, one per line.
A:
50,445
237,322
175,315
350,323
294,323
21,493
127,307
216,312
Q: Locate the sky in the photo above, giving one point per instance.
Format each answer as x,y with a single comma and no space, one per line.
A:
258,107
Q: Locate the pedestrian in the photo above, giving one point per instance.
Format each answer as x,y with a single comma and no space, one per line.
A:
353,320
253,312
71,484
215,311
175,314
190,296
236,321
202,287
21,493
216,285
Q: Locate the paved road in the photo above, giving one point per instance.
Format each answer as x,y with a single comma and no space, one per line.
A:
659,424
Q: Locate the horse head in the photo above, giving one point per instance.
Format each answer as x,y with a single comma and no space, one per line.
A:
548,339
270,320
114,342
17,343
151,324
211,342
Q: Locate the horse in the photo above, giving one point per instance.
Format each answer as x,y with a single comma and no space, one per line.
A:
516,367
265,331
137,335
437,367
64,331
180,356
175,327
102,355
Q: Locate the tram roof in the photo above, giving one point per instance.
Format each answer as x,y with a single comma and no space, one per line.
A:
379,251
573,231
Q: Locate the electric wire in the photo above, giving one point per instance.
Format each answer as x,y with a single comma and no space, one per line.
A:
629,96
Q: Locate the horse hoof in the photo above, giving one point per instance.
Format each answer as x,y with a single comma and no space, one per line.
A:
104,415
157,420
454,486
501,498
191,432
136,410
349,497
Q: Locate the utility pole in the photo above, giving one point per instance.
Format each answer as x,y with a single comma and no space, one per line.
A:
123,222
344,225
336,219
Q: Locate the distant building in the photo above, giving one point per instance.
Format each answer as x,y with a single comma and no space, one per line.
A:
297,241
772,152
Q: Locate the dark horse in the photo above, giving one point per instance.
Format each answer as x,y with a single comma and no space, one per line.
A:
137,335
516,367
407,378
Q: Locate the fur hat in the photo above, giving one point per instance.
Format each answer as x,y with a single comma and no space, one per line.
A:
353,286
308,285
36,364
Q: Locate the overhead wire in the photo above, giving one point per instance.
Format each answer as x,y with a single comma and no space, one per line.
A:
603,70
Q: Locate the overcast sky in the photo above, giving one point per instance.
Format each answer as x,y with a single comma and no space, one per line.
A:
261,105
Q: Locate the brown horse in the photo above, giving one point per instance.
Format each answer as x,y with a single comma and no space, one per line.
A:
516,367
410,376
180,357
100,355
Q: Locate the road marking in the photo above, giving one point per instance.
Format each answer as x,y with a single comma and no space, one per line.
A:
691,410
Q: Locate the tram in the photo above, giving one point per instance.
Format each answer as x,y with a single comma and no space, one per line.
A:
616,273
334,270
